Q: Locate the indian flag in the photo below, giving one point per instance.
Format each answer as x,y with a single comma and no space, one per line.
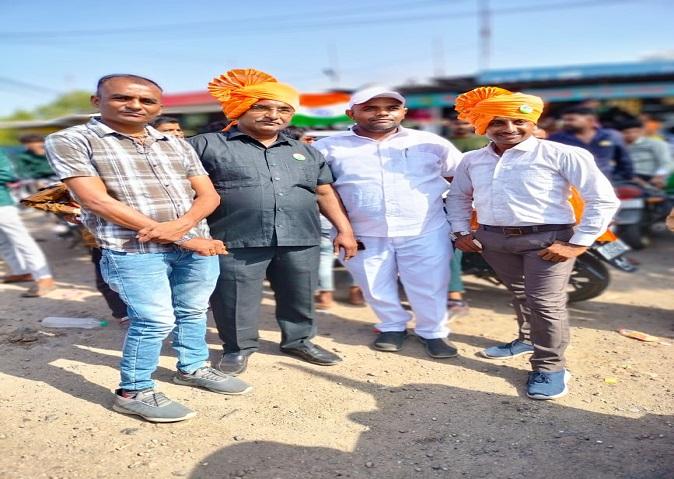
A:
322,110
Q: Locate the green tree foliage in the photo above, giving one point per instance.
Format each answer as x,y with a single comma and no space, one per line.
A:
76,101
11,136
73,102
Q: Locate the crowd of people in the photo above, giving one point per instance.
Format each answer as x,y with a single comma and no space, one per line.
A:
205,220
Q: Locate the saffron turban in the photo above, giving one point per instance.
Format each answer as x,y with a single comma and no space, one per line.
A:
481,105
237,90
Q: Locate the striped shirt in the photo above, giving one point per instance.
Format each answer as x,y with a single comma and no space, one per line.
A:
152,178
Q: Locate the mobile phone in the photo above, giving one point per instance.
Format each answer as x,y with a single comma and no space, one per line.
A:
360,245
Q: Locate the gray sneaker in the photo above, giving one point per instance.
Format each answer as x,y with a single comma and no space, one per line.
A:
151,406
213,380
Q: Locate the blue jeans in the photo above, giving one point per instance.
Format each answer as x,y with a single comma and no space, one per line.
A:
455,280
163,292
325,266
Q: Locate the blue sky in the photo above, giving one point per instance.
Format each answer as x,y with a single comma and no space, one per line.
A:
49,47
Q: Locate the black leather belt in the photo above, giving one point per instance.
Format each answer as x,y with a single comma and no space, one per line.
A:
524,230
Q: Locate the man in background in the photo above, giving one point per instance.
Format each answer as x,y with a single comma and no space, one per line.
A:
32,163
168,125
650,156
580,127
462,135
24,257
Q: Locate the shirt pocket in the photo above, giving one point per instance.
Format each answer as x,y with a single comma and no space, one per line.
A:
532,177
236,177
305,175
422,163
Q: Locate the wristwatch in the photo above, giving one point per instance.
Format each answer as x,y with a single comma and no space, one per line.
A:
185,238
456,236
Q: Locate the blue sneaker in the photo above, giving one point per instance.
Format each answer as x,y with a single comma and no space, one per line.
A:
545,385
507,351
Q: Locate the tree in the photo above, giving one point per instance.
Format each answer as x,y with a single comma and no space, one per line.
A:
76,101
11,136
73,102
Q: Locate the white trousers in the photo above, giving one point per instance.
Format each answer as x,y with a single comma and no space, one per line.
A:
422,262
17,246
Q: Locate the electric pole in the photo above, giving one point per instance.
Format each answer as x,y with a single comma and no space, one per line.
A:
484,12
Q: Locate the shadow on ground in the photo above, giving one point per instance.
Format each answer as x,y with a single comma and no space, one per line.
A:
432,430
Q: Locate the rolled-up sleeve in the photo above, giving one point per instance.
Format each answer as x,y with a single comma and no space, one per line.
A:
579,168
69,156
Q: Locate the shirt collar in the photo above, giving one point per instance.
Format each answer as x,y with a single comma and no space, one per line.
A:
529,144
402,131
234,132
101,129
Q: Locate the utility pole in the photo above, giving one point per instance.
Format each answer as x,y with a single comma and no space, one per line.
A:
332,72
484,13
438,47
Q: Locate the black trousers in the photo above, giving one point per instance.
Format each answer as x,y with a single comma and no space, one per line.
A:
115,303
293,274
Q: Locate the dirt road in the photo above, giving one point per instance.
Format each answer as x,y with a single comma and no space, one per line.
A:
376,415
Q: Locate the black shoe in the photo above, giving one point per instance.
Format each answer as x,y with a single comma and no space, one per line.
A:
234,363
439,348
314,354
390,341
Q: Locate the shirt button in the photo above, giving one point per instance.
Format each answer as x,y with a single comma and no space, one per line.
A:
280,194
277,178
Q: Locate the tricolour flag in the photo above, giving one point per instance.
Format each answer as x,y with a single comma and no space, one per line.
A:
322,110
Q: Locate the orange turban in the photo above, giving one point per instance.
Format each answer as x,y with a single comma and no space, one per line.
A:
481,105
238,90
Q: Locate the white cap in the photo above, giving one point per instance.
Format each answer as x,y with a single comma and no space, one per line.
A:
367,94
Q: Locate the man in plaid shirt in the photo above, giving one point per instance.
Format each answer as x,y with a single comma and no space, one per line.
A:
144,196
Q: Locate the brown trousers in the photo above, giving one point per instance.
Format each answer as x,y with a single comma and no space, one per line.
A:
539,288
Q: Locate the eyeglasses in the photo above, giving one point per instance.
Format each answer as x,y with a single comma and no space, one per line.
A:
283,111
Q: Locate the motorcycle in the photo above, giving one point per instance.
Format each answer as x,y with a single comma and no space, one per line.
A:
590,276
640,208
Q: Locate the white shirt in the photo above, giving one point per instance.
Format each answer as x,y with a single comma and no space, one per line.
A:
393,187
530,185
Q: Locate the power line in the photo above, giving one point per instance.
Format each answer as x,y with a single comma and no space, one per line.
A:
198,26
26,86
342,21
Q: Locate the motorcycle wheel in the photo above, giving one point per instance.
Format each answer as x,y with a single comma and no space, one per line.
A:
589,279
634,235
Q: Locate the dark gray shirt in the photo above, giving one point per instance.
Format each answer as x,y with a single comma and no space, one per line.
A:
268,194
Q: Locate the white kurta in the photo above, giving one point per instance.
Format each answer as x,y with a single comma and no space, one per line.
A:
393,193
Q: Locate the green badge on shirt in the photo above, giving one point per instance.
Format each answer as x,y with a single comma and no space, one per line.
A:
299,156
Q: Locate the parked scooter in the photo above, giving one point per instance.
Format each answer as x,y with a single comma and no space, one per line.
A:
640,208
590,276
